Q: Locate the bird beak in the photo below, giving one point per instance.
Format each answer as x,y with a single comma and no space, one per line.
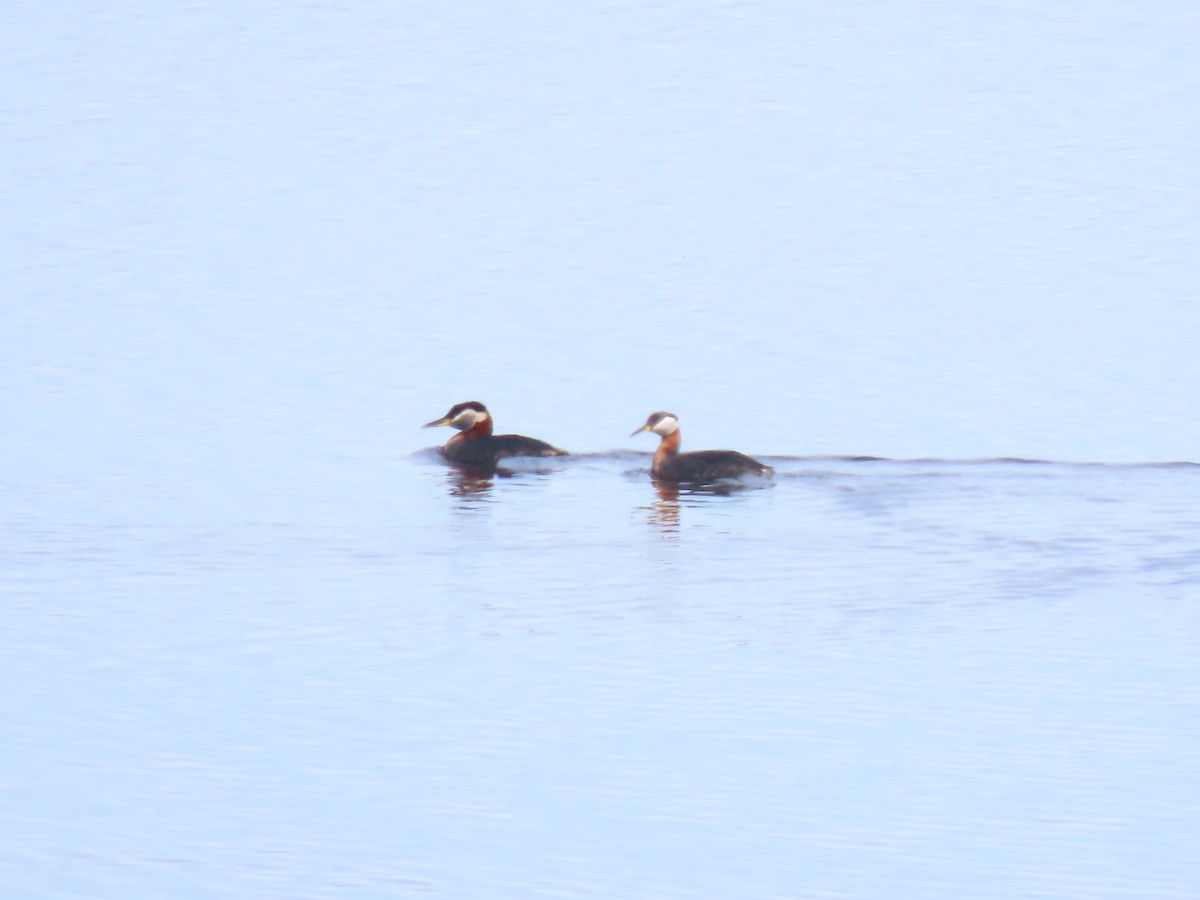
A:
640,430
444,420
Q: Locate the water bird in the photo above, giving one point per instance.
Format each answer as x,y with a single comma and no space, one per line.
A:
475,445
699,466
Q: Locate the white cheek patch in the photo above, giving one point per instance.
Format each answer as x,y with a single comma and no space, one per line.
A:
468,419
666,425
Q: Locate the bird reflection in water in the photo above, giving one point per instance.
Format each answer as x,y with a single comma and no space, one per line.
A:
664,512
471,483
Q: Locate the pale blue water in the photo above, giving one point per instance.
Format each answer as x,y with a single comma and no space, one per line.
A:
257,641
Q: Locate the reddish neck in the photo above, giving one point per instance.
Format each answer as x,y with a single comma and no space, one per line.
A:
481,429
667,448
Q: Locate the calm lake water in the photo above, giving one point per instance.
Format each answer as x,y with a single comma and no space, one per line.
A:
259,642
865,679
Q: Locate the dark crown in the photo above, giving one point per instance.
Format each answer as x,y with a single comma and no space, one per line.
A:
460,407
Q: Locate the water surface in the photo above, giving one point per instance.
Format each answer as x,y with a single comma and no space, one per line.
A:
867,678
258,642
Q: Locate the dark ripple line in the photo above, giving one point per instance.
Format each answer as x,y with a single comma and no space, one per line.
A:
431,455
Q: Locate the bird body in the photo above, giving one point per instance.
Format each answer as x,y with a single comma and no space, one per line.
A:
697,467
475,445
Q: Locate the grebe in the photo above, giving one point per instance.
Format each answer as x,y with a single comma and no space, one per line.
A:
475,445
698,467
